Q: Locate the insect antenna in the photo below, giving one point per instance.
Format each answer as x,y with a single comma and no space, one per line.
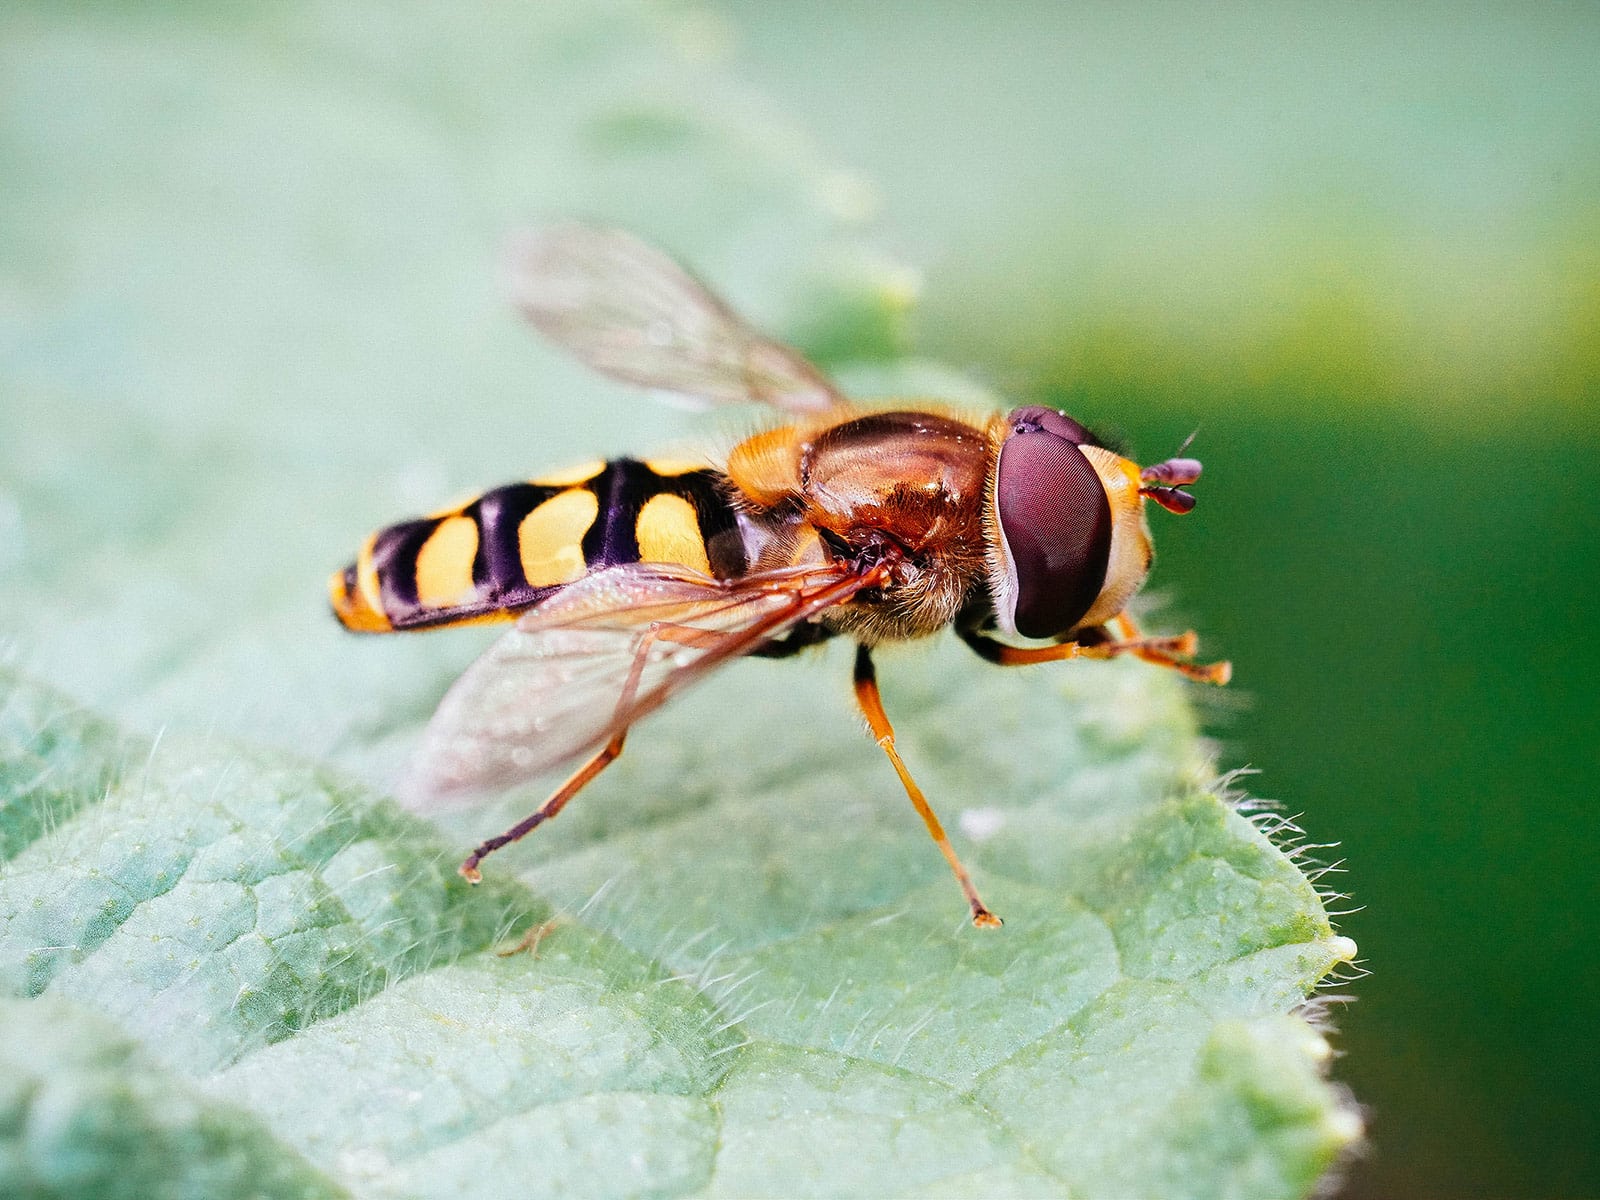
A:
1163,476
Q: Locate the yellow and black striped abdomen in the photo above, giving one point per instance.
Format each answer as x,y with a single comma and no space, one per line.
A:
516,545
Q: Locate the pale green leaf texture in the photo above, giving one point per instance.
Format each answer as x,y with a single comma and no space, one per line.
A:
249,312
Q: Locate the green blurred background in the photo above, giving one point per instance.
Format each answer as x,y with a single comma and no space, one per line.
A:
1357,246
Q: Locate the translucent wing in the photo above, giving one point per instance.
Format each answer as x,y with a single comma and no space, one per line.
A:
630,312
598,656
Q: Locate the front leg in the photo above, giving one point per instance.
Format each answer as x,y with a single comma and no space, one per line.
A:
1170,652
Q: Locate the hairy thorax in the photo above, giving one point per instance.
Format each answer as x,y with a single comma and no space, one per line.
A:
905,488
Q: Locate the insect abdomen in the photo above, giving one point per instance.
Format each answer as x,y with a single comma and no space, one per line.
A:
516,545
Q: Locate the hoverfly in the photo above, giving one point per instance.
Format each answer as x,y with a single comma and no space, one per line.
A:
628,580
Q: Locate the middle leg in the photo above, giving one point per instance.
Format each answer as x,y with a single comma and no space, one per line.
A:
866,681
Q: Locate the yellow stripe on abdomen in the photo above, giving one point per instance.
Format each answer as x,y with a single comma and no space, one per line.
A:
572,475
669,468
444,564
550,538
669,532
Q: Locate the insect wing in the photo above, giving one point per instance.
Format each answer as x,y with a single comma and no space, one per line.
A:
630,312
595,658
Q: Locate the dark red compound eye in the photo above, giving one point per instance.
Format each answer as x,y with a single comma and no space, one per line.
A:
1055,519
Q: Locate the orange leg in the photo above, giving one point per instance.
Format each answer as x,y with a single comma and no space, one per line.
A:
1164,652
1170,652
871,703
661,631
569,789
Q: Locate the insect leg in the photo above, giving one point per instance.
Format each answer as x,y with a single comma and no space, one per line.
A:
661,631
866,681
569,789
1168,652
995,651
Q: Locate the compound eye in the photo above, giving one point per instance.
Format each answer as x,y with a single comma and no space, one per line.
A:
1055,520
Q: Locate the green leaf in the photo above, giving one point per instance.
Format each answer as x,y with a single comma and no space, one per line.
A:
754,988
249,265
86,1113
